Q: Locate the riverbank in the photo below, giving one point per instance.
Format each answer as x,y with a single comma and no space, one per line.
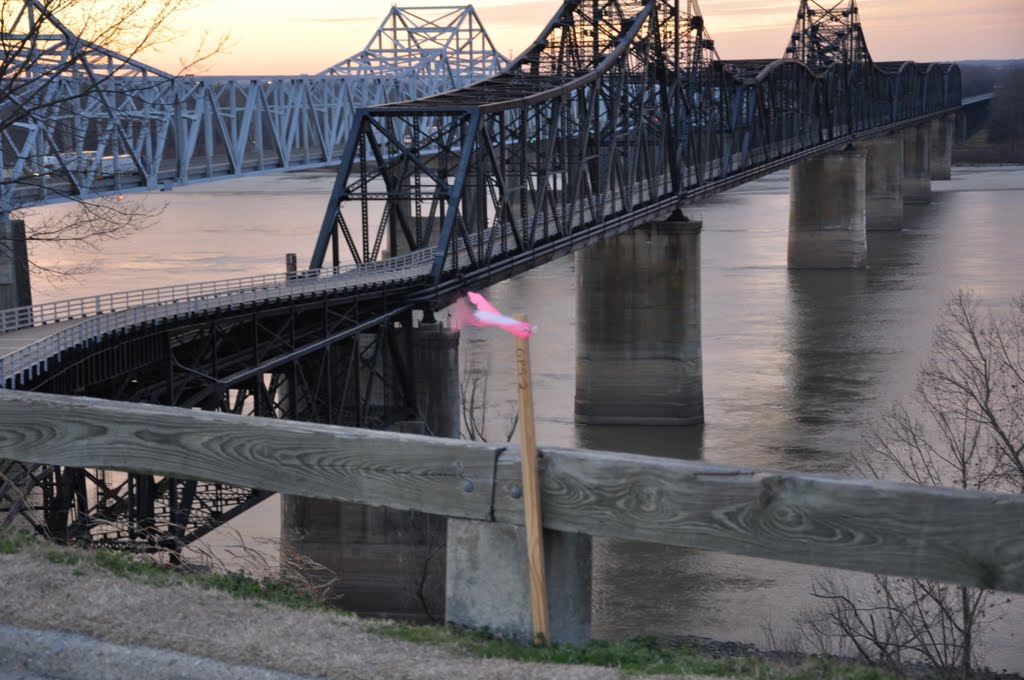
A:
90,614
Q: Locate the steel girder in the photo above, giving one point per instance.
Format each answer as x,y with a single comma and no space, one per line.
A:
442,47
79,120
826,34
340,361
116,509
620,111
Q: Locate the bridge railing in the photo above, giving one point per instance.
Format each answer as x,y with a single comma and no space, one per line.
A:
94,305
970,538
158,304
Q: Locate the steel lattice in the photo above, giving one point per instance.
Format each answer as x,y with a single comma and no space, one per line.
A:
79,120
617,114
620,112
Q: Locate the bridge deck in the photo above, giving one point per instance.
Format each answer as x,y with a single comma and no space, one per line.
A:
31,336
14,341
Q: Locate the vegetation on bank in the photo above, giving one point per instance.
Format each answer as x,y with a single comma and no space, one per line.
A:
644,655
1002,138
151,572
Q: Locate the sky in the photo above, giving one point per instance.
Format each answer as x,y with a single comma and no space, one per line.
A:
272,37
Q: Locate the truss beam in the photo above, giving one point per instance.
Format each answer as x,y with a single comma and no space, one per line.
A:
78,120
619,107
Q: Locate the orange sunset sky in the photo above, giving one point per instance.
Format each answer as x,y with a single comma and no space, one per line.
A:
273,37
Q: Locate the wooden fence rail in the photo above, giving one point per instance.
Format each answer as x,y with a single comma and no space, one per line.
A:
964,537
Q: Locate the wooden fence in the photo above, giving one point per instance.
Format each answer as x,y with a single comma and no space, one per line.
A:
964,537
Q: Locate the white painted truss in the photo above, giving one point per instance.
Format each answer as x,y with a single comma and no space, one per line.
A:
78,120
441,45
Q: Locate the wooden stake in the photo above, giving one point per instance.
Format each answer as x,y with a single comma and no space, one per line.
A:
531,494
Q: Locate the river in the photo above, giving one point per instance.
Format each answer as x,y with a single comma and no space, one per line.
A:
795,362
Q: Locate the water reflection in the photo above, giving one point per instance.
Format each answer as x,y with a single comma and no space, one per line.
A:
683,443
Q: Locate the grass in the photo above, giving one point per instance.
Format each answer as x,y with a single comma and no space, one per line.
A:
141,568
15,540
642,655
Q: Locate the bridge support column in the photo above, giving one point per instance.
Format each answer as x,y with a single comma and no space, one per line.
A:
15,289
826,212
883,182
917,173
941,152
388,562
638,346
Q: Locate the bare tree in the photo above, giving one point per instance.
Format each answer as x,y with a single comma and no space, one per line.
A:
473,388
68,73
1006,122
963,427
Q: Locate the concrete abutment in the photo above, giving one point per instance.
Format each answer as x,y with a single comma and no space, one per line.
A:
387,562
941,152
917,171
638,328
15,288
883,183
827,212
488,581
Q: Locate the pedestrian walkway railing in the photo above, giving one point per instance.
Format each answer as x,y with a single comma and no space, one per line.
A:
83,320
79,322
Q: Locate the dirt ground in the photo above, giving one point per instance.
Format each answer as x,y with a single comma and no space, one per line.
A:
38,594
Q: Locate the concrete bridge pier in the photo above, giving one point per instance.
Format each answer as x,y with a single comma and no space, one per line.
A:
826,212
941,152
15,288
387,562
917,172
638,345
883,183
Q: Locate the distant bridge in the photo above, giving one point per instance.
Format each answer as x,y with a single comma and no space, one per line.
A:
80,120
614,118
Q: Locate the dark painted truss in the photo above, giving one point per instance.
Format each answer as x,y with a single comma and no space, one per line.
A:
341,360
618,113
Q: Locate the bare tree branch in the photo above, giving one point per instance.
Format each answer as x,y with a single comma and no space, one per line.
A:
69,76
963,427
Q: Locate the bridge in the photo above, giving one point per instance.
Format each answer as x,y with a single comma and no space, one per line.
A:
615,118
81,120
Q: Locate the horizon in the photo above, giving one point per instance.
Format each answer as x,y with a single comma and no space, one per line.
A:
262,41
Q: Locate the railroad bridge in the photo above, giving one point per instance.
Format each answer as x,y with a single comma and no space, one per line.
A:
591,142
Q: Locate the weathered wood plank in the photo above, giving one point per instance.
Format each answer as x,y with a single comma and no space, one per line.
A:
970,538
446,477
963,537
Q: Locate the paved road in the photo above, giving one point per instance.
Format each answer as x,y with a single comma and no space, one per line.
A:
27,654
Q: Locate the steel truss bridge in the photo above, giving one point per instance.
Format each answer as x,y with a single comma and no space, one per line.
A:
78,120
618,114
